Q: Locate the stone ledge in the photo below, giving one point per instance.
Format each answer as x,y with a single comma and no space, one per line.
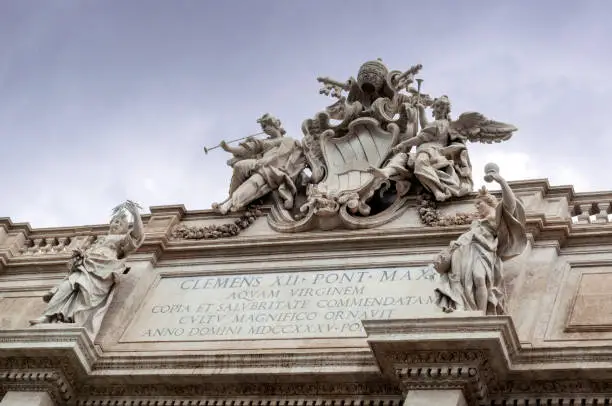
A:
480,355
483,357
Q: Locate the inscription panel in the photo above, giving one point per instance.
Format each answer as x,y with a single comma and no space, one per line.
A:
311,304
592,305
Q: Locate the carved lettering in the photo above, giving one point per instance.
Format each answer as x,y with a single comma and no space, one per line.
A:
286,305
222,282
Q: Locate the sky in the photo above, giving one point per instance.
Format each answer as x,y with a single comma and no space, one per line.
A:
107,100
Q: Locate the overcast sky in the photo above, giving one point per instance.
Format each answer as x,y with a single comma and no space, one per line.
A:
106,100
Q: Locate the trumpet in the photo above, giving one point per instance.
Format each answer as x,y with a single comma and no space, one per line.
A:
410,72
207,149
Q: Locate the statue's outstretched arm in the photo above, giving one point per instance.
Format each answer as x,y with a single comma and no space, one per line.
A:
420,138
138,228
508,197
240,150
137,232
423,121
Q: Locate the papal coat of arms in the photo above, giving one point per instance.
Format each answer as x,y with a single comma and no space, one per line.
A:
362,157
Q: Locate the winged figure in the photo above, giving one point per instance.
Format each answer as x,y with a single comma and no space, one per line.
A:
441,162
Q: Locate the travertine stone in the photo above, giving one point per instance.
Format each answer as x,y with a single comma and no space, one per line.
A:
603,214
262,166
585,213
432,397
343,314
441,163
592,304
13,398
280,305
357,173
11,245
16,311
471,267
85,294
128,298
232,335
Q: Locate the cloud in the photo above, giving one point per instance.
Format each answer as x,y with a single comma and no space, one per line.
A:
104,101
166,168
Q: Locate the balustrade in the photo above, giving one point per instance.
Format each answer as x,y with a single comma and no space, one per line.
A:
54,245
592,212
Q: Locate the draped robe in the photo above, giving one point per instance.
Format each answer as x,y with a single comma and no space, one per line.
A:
87,291
481,250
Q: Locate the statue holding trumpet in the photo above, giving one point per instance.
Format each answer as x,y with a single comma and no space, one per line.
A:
365,154
261,166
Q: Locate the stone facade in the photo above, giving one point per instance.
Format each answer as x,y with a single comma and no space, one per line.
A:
551,348
354,266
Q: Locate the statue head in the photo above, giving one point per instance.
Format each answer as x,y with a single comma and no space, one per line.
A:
271,126
372,76
485,203
441,107
119,223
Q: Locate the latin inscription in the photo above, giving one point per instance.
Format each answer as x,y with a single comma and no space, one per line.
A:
314,304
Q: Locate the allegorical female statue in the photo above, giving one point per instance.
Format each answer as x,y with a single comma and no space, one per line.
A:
261,166
471,267
441,161
84,295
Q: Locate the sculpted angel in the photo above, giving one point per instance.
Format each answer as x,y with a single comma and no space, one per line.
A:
441,162
471,268
86,292
261,166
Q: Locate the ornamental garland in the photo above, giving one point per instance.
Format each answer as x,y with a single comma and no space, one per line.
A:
216,231
428,211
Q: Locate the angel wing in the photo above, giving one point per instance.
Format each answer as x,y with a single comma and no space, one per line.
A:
477,128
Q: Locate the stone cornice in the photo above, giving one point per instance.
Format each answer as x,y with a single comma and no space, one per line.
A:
158,245
520,186
347,240
550,226
481,355
495,333
8,225
46,360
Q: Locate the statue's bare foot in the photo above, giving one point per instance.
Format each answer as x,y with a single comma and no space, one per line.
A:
441,196
40,320
378,173
224,207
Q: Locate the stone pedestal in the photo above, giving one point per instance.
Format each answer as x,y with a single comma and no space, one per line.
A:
449,397
27,399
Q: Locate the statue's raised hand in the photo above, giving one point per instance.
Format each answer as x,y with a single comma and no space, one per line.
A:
397,149
224,146
492,173
132,207
404,146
